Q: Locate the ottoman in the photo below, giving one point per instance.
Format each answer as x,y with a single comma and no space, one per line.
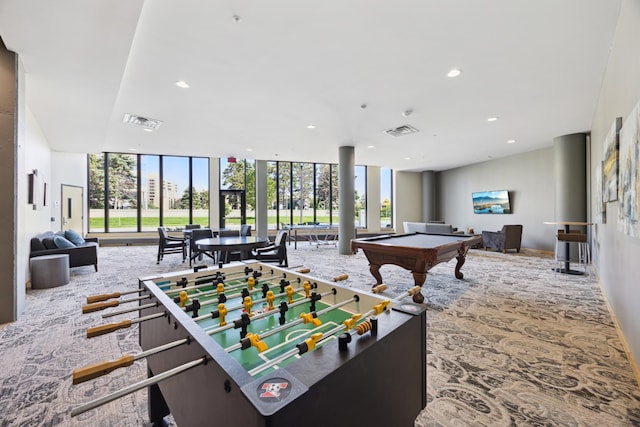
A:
49,271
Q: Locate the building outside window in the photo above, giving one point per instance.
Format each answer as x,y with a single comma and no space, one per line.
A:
135,192
386,198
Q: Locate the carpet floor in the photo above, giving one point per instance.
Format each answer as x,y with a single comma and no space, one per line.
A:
511,344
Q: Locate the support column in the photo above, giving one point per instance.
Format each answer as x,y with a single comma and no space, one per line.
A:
262,209
12,297
429,196
346,198
570,153
214,192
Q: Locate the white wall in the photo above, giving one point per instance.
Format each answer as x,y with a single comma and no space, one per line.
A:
618,254
73,173
407,202
37,156
529,179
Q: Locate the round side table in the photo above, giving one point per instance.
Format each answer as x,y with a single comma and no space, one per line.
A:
49,271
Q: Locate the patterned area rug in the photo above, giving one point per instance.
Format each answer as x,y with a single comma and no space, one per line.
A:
512,344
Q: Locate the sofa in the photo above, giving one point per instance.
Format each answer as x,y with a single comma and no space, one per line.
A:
79,254
430,228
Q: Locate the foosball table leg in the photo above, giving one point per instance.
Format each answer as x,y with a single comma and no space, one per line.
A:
158,408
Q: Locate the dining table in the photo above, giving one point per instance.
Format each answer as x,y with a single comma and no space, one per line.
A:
223,245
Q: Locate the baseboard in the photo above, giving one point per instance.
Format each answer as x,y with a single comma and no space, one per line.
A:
625,345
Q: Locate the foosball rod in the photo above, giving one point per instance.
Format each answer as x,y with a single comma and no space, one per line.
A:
204,279
89,308
112,327
237,295
258,316
233,285
310,343
130,310
102,368
137,386
103,297
408,293
293,323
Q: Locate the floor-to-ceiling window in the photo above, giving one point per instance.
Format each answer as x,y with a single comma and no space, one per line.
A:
238,180
150,192
386,198
122,192
360,196
136,192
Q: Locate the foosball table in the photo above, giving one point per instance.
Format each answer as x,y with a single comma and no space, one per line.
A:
252,344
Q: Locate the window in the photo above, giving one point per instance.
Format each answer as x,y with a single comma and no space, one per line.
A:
150,191
122,192
131,192
360,196
386,198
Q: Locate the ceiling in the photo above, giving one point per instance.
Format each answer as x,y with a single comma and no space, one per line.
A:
260,72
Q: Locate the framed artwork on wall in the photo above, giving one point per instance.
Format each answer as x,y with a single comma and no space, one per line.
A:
629,185
610,167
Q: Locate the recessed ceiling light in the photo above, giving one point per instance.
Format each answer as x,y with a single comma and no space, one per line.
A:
182,84
249,149
511,141
407,158
370,146
492,119
148,130
311,126
455,72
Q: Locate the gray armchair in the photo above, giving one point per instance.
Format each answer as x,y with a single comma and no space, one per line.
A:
508,238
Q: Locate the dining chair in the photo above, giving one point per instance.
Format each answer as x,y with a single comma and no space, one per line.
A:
276,252
194,251
170,245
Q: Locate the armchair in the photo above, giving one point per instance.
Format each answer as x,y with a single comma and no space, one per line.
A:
170,245
508,238
275,252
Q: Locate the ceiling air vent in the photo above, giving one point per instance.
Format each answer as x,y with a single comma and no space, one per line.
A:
401,130
143,122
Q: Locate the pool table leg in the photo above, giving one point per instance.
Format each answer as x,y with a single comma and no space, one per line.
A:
461,259
374,269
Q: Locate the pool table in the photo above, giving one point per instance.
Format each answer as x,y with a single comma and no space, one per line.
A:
417,252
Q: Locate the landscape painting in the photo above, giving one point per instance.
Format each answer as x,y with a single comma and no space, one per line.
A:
491,202
610,167
628,210
600,206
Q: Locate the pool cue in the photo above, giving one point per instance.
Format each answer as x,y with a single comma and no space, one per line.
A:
310,343
111,327
103,297
137,386
103,368
292,323
89,308
130,310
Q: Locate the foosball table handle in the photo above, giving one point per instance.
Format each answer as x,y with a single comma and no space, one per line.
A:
99,369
